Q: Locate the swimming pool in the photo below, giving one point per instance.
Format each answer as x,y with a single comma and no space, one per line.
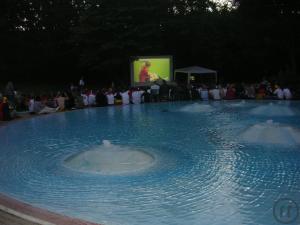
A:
203,164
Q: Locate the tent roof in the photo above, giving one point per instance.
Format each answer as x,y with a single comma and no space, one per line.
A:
195,69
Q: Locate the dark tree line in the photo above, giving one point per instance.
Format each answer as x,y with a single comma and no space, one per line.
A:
61,40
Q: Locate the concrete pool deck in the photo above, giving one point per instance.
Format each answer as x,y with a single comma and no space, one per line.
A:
14,212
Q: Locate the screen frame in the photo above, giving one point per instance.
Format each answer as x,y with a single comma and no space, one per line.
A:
134,58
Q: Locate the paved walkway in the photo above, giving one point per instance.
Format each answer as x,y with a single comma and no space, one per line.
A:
8,219
15,212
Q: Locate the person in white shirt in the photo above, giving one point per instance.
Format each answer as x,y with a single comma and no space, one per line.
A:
81,82
215,93
31,105
91,99
72,87
287,93
250,92
85,99
125,97
278,92
110,97
136,96
223,92
204,93
60,100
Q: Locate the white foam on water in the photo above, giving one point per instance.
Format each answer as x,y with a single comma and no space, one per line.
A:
110,159
238,104
106,143
271,133
273,110
197,108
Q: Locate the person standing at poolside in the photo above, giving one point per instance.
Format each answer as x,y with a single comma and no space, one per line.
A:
101,99
278,92
250,91
110,97
204,93
137,96
81,84
31,104
125,97
10,92
4,107
215,93
60,100
231,92
287,93
91,98
85,98
155,89
118,98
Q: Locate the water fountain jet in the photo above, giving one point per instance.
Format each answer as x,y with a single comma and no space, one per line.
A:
110,159
271,133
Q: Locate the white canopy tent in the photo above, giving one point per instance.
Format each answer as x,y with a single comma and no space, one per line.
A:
196,70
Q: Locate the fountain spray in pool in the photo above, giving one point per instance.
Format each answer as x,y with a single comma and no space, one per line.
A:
273,110
239,104
110,159
106,143
271,133
197,108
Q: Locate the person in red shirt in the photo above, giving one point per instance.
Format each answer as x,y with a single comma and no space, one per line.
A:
230,94
261,92
145,75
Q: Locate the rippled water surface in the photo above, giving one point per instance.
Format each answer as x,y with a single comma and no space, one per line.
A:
204,172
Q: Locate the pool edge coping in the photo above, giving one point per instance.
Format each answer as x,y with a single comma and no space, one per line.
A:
37,215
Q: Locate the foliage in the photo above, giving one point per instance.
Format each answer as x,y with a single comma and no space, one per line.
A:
53,39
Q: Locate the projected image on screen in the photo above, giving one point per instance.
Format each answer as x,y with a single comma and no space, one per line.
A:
151,69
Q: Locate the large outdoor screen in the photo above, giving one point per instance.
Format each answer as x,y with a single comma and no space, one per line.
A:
145,70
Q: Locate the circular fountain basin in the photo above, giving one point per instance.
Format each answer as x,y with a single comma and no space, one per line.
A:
109,159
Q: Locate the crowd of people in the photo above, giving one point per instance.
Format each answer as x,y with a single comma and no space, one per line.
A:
77,97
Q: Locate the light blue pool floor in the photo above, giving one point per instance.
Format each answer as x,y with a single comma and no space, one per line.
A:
209,167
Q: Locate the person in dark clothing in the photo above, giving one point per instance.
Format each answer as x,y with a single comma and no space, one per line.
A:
70,101
240,90
195,94
146,95
118,98
101,99
5,110
164,91
10,92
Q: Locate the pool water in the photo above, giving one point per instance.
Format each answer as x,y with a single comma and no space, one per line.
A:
209,166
